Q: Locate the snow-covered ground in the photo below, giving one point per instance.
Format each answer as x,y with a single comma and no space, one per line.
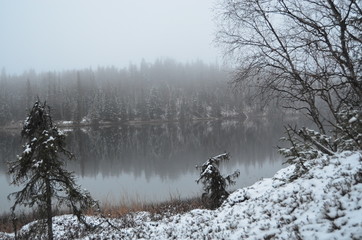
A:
325,203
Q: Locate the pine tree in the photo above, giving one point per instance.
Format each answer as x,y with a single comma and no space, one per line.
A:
214,184
183,113
41,169
155,104
111,111
215,109
142,112
171,113
130,112
307,144
5,113
123,111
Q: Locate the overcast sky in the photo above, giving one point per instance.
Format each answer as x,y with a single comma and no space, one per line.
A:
47,35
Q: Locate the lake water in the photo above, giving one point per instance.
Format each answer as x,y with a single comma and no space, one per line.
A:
154,162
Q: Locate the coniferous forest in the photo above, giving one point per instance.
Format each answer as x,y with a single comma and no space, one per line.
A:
164,90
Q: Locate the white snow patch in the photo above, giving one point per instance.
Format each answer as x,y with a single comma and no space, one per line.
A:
27,149
64,131
37,163
50,139
352,120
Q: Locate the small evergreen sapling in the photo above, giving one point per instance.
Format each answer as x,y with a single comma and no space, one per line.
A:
307,144
41,169
349,129
214,184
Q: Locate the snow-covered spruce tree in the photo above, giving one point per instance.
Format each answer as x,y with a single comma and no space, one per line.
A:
307,144
348,131
302,148
41,169
214,184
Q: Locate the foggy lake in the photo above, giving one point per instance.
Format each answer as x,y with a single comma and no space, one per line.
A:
156,162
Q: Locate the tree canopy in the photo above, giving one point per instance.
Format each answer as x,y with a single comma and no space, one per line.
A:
306,54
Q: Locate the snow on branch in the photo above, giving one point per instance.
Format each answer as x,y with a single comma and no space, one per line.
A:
214,184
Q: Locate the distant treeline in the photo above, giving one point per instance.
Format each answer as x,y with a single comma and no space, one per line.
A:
163,90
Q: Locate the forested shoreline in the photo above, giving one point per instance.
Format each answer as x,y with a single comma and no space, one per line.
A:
149,92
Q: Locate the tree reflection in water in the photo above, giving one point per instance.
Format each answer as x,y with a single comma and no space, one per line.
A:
161,158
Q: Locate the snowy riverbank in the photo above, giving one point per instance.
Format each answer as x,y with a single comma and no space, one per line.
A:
325,203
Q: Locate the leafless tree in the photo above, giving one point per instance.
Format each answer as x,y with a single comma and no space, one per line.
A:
306,53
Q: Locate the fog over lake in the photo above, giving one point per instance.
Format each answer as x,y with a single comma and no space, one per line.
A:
57,35
154,162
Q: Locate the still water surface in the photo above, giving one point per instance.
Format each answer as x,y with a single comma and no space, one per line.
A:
154,162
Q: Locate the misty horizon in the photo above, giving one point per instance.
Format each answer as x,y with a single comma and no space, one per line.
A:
56,36
136,65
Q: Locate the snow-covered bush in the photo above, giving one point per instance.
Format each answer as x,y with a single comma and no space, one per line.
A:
307,144
214,184
302,148
349,130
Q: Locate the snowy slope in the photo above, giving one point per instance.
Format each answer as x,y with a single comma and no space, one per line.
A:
325,203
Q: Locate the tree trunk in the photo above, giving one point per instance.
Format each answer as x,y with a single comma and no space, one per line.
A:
49,209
